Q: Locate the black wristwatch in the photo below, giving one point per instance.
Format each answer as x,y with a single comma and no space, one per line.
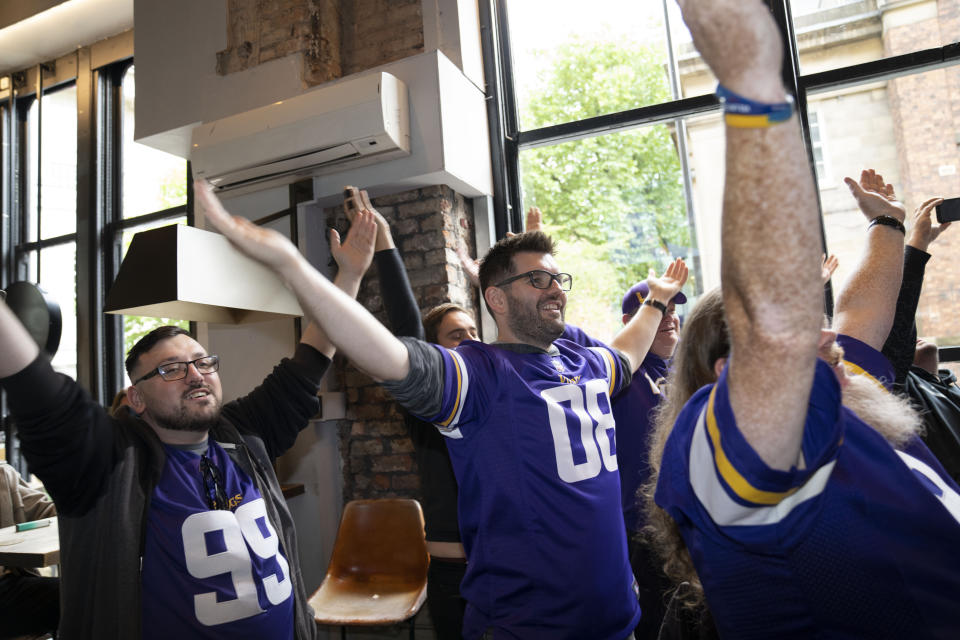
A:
888,221
656,304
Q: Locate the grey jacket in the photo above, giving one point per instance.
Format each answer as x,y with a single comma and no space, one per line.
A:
101,473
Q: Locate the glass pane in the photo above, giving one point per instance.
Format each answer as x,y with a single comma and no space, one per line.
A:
152,180
31,229
839,33
696,78
903,128
58,168
575,60
616,205
135,327
58,277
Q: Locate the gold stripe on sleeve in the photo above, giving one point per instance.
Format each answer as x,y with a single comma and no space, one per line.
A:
729,473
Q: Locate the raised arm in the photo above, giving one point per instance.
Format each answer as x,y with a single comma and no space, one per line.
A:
353,258
901,343
770,234
866,303
17,348
635,339
399,301
347,324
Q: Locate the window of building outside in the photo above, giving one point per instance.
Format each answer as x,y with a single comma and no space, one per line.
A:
153,181
622,202
816,147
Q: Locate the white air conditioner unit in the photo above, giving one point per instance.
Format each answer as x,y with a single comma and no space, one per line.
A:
347,124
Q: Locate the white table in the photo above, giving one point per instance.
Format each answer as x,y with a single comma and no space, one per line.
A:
34,548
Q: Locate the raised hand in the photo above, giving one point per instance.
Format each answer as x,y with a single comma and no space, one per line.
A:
534,219
875,197
740,42
260,243
471,266
827,267
356,253
669,284
924,231
356,200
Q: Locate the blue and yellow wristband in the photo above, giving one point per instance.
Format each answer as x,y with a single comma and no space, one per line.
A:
745,113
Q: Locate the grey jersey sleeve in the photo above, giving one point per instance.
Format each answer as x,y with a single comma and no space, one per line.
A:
421,392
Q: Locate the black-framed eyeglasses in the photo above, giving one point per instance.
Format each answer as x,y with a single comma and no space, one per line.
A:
216,495
178,370
541,279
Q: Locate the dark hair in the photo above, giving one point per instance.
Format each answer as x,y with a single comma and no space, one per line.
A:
149,341
433,318
498,263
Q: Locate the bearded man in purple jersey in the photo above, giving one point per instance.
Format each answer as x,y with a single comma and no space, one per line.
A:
172,521
530,432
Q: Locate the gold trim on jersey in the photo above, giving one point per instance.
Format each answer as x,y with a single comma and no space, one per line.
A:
740,485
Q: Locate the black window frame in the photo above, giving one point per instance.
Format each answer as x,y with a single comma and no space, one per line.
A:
100,223
507,140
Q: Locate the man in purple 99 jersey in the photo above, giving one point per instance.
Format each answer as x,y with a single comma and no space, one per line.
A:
530,432
172,521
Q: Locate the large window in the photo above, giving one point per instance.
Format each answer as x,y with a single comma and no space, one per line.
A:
76,187
607,123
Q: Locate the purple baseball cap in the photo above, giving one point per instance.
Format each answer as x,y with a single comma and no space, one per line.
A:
635,296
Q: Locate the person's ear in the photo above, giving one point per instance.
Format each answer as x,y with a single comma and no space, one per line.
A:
496,300
718,366
136,400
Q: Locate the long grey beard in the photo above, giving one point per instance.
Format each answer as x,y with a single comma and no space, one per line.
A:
892,416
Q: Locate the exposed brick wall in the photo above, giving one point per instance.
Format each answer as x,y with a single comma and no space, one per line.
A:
375,32
428,224
336,37
926,113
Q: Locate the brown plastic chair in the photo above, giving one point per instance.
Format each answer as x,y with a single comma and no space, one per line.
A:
378,572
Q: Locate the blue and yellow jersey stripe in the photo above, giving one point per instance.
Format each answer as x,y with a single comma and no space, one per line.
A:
860,371
734,479
462,385
610,363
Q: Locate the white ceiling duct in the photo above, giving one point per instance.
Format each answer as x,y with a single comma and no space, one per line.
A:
189,274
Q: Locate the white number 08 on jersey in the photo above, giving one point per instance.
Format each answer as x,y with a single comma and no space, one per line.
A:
599,450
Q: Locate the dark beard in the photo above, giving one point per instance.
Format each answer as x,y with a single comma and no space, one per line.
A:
527,324
183,421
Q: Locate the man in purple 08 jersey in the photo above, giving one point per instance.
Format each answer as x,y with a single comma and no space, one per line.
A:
172,522
530,433
792,493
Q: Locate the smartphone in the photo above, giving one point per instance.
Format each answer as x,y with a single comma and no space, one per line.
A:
948,210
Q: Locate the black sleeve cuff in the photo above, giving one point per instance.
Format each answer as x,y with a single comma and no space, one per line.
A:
310,363
32,390
403,313
914,258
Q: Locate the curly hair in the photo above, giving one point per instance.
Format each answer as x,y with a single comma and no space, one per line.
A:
704,339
